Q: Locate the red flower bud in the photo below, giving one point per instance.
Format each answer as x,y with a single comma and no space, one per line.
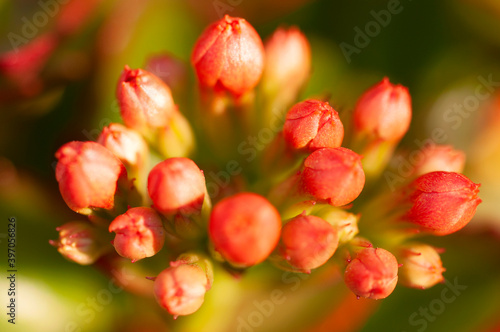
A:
442,202
288,60
384,111
372,274
307,242
145,100
126,144
311,125
139,233
79,242
244,228
333,175
177,185
88,174
440,158
229,56
422,267
181,288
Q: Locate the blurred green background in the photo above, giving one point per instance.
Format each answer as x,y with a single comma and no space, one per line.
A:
438,49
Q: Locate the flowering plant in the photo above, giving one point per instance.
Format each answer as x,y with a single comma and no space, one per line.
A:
298,190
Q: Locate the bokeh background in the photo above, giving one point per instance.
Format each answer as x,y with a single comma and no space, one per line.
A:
63,90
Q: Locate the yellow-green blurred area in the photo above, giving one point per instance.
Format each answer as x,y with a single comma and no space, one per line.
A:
443,51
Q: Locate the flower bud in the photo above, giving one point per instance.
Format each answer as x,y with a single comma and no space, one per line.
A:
421,266
372,274
139,233
307,242
79,242
244,228
442,202
145,100
311,125
440,158
383,112
229,56
181,288
126,144
288,60
177,185
333,175
88,174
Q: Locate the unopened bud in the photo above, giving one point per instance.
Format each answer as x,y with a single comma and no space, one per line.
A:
80,242
88,174
229,56
311,125
372,274
421,266
244,228
307,242
139,233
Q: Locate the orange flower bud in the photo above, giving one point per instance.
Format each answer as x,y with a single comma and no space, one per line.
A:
421,266
139,233
288,60
307,242
442,202
79,242
229,56
145,100
383,112
181,288
125,143
177,185
88,174
333,175
372,274
311,125
440,158
244,228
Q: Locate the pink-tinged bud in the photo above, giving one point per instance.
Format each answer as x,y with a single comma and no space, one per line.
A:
288,60
79,242
372,274
244,228
229,56
383,112
177,185
170,70
145,100
333,175
139,233
311,125
440,158
126,144
421,266
442,202
307,242
24,64
88,174
181,288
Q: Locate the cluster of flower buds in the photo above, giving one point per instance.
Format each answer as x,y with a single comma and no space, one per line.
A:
295,199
